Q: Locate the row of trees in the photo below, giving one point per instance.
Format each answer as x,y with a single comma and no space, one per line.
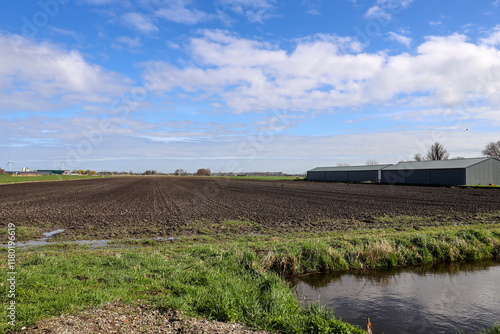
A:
203,172
438,152
435,152
86,172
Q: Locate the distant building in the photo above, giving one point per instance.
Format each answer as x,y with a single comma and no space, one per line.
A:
54,171
366,173
473,171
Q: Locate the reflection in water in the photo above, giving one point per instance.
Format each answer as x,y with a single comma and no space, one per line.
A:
446,298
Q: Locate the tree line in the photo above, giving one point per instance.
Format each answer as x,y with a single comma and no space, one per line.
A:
435,152
438,152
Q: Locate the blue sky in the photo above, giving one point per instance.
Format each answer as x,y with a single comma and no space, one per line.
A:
245,85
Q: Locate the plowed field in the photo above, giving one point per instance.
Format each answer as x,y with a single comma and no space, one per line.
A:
170,206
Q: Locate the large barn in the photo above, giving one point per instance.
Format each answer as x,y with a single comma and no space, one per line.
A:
473,171
369,173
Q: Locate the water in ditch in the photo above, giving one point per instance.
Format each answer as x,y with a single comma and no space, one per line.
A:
450,298
91,243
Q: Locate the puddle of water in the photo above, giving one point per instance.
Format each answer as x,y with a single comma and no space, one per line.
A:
429,299
92,243
51,234
45,242
166,239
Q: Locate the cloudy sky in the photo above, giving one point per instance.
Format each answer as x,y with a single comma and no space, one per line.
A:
245,85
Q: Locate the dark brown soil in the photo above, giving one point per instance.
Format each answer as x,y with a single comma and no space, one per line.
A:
138,207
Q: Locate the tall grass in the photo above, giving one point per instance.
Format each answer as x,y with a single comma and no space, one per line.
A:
494,330
382,250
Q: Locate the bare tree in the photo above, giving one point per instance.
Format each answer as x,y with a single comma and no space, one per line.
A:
180,172
492,149
418,157
437,152
2,171
371,162
342,164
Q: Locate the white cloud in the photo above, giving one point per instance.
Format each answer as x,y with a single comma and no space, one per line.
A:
494,37
405,40
37,76
312,6
177,11
435,23
248,75
123,42
377,12
66,32
313,12
139,21
254,10
386,9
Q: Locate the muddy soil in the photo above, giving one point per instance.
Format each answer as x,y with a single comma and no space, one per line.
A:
159,206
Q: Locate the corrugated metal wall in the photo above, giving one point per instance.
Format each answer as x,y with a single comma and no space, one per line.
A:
484,173
344,176
340,176
316,176
363,175
420,176
425,176
451,177
392,176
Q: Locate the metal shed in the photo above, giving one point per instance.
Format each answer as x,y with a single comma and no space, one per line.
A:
54,171
346,173
472,171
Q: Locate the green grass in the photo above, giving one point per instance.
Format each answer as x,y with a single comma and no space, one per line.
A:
6,179
22,232
239,279
494,330
481,186
221,228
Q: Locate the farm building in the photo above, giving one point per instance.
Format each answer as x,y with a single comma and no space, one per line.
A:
347,173
54,171
473,171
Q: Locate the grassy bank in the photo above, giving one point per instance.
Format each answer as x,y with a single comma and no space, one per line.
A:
494,330
240,279
6,178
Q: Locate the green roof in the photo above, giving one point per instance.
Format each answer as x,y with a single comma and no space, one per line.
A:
437,164
350,168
